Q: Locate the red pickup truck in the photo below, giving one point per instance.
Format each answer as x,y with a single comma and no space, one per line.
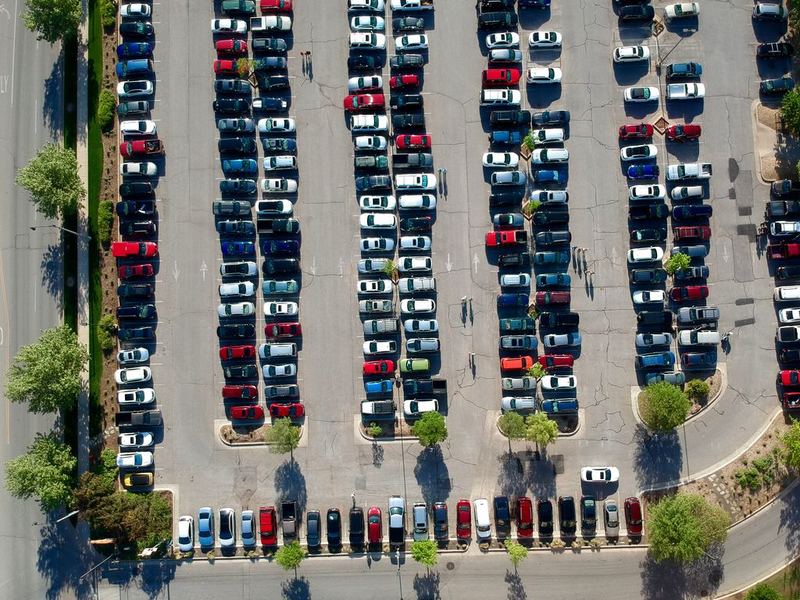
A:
779,251
140,147
506,238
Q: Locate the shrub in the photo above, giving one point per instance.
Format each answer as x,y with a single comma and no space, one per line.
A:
790,111
374,429
106,331
108,13
664,406
677,261
748,478
106,104
105,221
528,142
697,389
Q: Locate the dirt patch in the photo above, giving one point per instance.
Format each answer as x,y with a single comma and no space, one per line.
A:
778,151
242,435
714,386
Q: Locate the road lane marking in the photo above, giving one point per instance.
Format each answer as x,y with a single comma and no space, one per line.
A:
14,50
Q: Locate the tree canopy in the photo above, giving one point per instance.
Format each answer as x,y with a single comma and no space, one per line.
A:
763,591
677,261
791,446
790,111
541,429
516,551
52,179
289,556
425,552
52,20
283,437
431,429
684,526
512,425
45,472
664,406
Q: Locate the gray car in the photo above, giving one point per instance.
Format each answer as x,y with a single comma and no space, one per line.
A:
248,529
419,514
419,345
646,340
611,518
518,403
555,340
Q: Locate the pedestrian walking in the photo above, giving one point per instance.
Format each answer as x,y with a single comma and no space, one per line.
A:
444,173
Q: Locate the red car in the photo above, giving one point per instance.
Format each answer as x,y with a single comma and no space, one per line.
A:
507,237
283,330
239,392
636,131
780,251
516,363
550,298
688,292
378,367
231,46
791,401
504,77
128,271
683,133
413,142
140,147
247,413
556,361
126,249
268,525
524,517
789,377
293,411
276,6
237,352
633,516
374,526
358,102
694,232
463,520
225,67
397,82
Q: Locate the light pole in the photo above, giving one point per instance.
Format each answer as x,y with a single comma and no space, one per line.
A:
399,578
75,233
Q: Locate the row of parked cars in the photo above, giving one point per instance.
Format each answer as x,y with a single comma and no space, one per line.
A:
278,231
413,209
137,251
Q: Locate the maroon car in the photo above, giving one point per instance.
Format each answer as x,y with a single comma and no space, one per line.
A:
692,232
633,516
247,413
684,133
293,411
358,102
556,361
128,271
636,131
240,392
551,298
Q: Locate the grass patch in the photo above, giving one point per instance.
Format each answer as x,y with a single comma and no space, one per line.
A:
787,582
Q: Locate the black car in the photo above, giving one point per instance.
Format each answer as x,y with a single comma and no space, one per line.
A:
138,29
784,188
237,145
648,235
408,24
588,515
356,526
506,199
134,290
236,330
662,318
270,103
542,218
240,372
275,266
272,82
137,311
782,208
502,517
133,107
236,228
789,272
407,61
552,238
279,145
136,188
405,101
313,529
692,211
540,4
638,276
640,212
697,272
373,182
497,20
544,514
514,260
776,87
551,117
410,121
333,527
136,208
566,514
416,223
232,86
636,13
237,186
137,334
137,229
510,117
786,355
774,50
559,319
231,106
269,45
441,531
286,226
269,63
364,61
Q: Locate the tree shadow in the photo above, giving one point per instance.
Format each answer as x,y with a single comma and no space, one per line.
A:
155,574
516,589
542,479
53,273
377,455
432,475
790,521
657,457
296,589
290,484
53,92
427,586
60,574
511,477
668,580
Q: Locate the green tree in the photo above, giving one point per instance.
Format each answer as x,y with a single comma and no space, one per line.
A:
790,111
516,552
797,169
530,207
52,20
763,591
664,406
541,430
677,261
537,371
528,142
44,472
684,526
390,270
512,425
46,374
108,13
52,179
289,556
425,552
696,389
431,429
791,446
283,437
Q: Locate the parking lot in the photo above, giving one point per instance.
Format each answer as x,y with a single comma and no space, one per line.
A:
334,460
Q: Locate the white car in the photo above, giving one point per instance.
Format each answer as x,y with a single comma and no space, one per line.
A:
421,325
237,290
370,142
186,534
375,286
624,54
134,460
413,408
376,244
647,340
367,23
418,202
386,203
684,192
276,125
549,155
518,403
415,41
515,280
369,123
246,268
372,265
649,297
642,255
134,89
415,242
641,94
681,9
368,41
599,474
543,75
501,96
414,264
647,192
417,306
133,356
789,315
685,91
377,221
142,127
228,26
280,309
134,11
135,397
236,309
544,39
133,375
144,169
505,39
551,135
357,84
379,347
283,161
559,382
551,196
784,228
518,383
638,152
285,370
415,181
278,185
375,306
365,5
501,159
141,439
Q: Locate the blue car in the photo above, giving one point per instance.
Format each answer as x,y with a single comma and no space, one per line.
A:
245,166
548,280
655,360
546,176
673,377
238,249
384,386
134,50
280,246
542,4
505,137
556,257
643,172
512,300
205,527
137,67
692,211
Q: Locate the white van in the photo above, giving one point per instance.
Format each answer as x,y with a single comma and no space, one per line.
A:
502,96
787,293
266,351
483,524
690,337
369,123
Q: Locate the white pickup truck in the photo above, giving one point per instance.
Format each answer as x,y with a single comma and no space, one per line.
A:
683,171
685,91
412,4
270,23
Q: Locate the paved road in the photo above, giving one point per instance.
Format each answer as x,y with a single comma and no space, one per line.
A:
30,272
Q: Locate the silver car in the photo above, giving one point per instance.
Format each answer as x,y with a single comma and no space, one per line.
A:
646,340
611,518
518,403
519,383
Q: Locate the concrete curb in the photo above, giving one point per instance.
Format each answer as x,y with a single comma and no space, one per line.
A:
560,435
756,126
381,440
220,423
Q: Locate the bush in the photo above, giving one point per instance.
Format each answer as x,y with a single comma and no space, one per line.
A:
108,13
106,331
677,261
790,111
697,389
106,104
748,478
763,591
374,429
105,221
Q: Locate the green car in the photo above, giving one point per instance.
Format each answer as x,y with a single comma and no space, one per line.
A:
518,325
274,287
414,365
240,7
